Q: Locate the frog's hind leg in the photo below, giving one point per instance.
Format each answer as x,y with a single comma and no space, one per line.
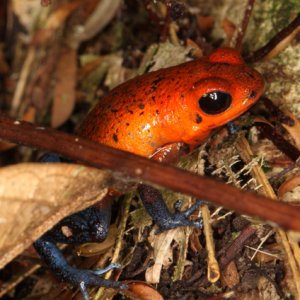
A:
88,225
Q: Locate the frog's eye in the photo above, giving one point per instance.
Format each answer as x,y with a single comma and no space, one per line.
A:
215,102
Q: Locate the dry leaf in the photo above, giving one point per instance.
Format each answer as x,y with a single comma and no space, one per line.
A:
288,185
141,291
163,254
57,18
102,14
230,276
34,197
26,12
266,289
64,92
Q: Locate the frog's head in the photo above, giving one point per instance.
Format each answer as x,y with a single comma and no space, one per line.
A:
226,89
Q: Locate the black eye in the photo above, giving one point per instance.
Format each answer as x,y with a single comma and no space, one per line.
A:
215,102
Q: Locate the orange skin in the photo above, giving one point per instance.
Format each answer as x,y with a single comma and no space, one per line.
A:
161,108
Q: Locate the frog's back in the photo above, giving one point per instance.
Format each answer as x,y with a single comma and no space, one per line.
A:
134,116
178,104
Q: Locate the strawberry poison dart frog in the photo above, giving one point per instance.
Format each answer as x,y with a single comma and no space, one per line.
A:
147,116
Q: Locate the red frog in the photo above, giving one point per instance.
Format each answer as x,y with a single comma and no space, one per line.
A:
150,115
180,104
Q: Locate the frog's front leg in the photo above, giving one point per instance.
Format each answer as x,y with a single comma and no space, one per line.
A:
157,209
152,197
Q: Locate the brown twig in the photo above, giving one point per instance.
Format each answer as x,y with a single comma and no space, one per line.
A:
274,42
242,28
282,144
275,178
124,163
276,112
236,246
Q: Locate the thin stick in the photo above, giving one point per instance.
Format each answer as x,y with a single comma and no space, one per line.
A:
261,244
213,272
282,237
263,252
275,41
128,164
119,242
236,246
19,91
237,42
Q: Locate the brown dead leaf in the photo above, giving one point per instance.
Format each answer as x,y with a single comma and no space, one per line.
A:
267,290
230,276
55,20
141,290
24,12
100,16
34,197
288,185
64,91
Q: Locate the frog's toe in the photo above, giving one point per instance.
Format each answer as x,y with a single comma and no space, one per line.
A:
191,209
180,219
85,278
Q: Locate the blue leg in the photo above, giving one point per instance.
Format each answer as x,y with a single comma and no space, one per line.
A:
89,225
78,277
156,207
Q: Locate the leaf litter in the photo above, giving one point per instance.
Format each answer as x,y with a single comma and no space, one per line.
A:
260,262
